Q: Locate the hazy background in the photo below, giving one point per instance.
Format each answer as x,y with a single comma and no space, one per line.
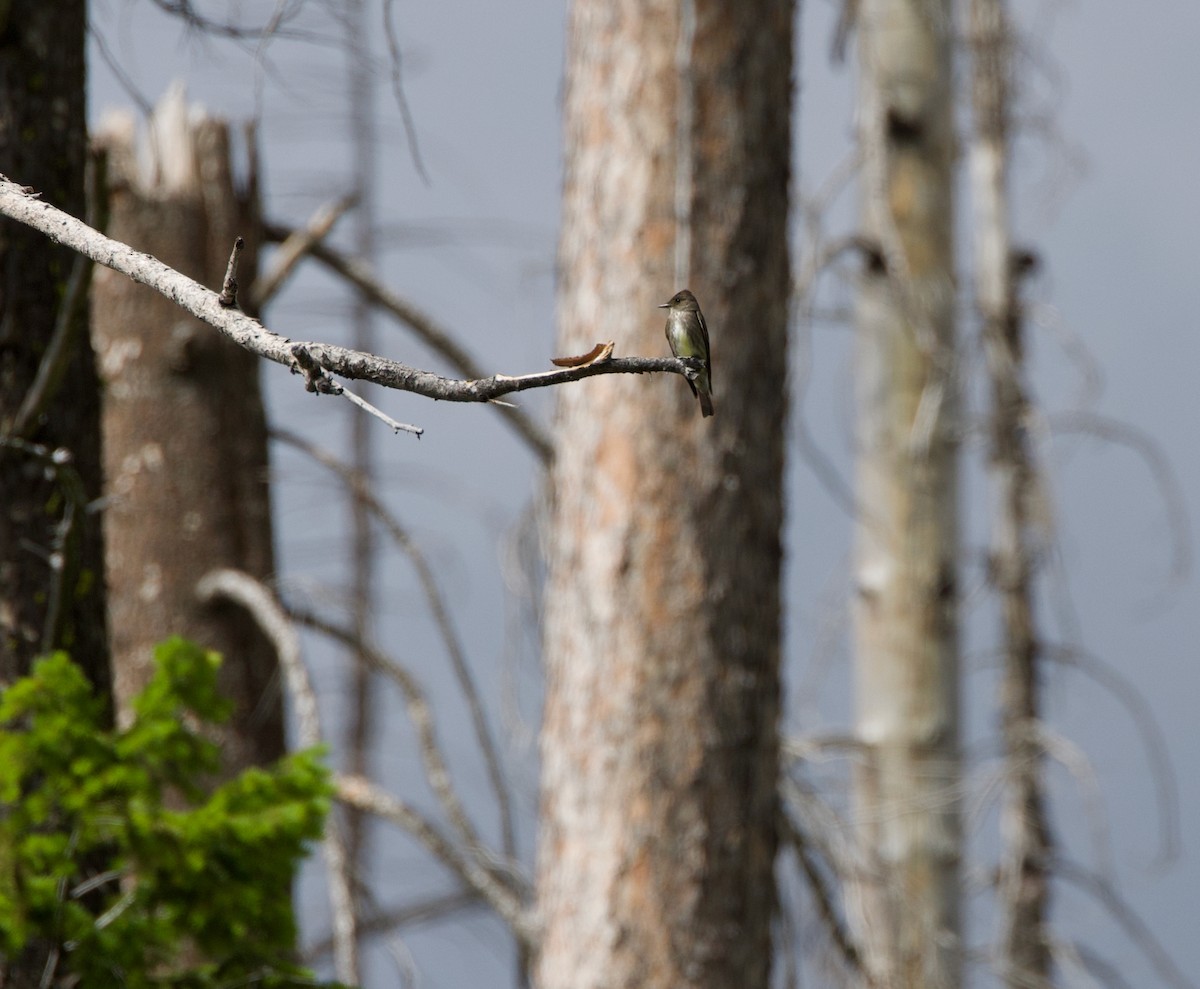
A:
1106,194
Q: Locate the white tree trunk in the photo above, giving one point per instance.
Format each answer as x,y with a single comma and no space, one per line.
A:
906,623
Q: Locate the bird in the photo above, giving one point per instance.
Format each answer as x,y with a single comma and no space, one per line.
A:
687,333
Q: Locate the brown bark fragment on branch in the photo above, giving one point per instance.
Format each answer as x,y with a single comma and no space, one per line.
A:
600,352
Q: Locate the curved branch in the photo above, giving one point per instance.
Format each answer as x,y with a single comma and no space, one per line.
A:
1175,504
1137,930
264,608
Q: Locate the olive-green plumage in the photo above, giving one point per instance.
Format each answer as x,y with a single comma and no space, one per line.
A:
687,333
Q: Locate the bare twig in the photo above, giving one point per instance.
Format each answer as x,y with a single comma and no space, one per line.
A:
1072,758
406,117
186,11
318,380
20,204
229,287
366,796
263,607
395,425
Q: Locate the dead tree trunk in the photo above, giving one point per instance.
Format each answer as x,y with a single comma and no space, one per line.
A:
1024,872
659,747
906,625
185,431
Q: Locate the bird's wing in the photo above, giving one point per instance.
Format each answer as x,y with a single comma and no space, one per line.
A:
707,351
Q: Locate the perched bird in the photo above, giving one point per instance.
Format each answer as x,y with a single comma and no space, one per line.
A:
687,333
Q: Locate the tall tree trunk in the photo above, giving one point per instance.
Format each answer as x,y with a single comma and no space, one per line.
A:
185,430
906,625
51,567
659,746
1025,866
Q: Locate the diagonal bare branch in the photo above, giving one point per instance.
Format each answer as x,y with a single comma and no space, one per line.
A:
294,247
437,771
366,796
440,611
21,204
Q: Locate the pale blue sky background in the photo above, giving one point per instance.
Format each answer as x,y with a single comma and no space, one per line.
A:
1107,195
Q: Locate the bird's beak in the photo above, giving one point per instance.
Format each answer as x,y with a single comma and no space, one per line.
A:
665,305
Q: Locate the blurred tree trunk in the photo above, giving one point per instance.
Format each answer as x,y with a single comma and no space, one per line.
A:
1025,865
906,621
51,567
659,746
362,685
184,426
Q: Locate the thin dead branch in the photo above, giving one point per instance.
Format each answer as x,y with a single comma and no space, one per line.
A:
406,117
21,204
437,770
1073,759
368,797
435,600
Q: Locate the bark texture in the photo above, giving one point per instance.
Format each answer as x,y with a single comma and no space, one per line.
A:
906,625
659,747
185,431
51,569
